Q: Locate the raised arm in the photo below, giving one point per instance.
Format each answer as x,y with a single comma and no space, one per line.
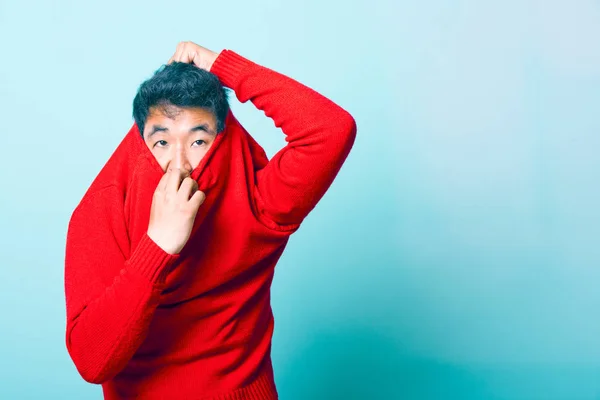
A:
110,300
319,136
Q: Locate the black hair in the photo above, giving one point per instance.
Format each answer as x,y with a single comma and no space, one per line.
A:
181,85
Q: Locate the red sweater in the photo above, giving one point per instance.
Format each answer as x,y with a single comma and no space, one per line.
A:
198,324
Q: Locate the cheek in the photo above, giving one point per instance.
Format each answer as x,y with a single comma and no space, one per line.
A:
162,157
196,156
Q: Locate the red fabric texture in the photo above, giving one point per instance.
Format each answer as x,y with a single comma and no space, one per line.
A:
198,325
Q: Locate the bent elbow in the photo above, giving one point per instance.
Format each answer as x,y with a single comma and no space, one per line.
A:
346,127
346,133
88,368
91,374
95,379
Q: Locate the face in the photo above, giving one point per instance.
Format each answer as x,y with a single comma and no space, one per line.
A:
179,137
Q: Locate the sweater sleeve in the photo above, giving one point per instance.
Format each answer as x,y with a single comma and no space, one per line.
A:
110,300
319,136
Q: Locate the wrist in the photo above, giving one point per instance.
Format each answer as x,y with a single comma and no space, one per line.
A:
160,243
213,57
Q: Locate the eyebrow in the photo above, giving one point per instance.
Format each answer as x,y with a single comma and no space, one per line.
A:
159,128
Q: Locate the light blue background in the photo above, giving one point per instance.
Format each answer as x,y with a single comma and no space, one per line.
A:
456,256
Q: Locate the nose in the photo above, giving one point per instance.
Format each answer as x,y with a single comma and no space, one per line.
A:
181,161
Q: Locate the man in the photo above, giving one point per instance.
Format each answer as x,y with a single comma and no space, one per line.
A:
171,252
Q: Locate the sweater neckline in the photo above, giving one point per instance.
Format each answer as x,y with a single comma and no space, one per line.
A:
198,170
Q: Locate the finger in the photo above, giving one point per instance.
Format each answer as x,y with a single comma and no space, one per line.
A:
174,180
189,53
197,199
173,57
162,184
187,188
179,52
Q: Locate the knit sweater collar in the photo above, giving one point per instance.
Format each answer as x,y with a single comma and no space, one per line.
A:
210,167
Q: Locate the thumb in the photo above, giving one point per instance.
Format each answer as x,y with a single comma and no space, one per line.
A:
198,61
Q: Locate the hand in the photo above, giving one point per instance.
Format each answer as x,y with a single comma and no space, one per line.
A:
173,211
189,52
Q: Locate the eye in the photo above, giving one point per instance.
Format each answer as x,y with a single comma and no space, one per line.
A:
199,142
162,143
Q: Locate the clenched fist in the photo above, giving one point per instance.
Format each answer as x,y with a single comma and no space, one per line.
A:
174,207
190,52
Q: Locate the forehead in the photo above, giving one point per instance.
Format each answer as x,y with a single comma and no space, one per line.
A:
174,114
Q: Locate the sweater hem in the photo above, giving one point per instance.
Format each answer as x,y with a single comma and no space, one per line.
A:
263,388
